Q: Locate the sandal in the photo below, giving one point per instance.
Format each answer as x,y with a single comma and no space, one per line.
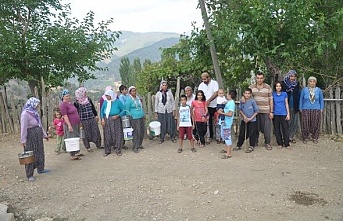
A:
218,142
194,150
249,150
106,154
79,155
89,150
292,141
268,147
226,157
119,154
236,148
223,151
179,150
315,141
174,140
161,141
75,158
202,145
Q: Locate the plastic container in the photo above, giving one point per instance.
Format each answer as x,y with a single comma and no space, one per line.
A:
72,144
155,128
26,157
128,133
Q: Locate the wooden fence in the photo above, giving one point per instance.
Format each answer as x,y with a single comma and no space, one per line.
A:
10,111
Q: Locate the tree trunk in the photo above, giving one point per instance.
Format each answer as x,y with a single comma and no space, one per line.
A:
273,70
212,45
32,85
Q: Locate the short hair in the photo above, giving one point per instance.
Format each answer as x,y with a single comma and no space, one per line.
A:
260,73
122,87
183,96
248,89
205,74
233,94
189,87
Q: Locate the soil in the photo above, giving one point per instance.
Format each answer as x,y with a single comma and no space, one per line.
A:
158,183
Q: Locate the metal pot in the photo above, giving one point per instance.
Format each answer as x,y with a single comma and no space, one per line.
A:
26,157
125,120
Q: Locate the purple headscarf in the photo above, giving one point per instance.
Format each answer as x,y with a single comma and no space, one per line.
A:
30,107
290,84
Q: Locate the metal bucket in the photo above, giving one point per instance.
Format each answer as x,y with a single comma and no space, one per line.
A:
125,120
26,157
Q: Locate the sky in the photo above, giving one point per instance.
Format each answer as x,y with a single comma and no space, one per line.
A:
141,15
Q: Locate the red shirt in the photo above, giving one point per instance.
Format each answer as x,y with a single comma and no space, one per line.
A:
59,126
199,111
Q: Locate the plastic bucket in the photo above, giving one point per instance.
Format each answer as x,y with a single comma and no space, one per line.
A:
72,144
128,133
155,128
26,157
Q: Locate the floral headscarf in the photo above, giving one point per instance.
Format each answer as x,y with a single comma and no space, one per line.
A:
81,96
30,107
290,84
64,92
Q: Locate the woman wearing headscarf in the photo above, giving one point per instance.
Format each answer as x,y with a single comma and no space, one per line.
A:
311,107
89,118
110,113
134,106
103,97
291,86
32,135
71,126
165,111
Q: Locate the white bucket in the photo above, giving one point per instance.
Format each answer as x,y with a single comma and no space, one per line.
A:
155,128
72,144
128,133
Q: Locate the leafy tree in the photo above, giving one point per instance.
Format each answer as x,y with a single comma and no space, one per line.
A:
125,71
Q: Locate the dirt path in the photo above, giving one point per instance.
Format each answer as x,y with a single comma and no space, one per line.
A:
159,184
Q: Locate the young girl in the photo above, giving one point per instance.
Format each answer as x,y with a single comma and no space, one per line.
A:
200,117
58,124
281,116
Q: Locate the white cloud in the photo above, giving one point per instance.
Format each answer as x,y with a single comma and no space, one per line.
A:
141,15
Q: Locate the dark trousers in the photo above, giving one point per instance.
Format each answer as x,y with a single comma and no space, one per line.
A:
200,131
211,111
251,128
281,128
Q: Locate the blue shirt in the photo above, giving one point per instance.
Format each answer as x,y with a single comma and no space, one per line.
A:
305,103
123,98
117,108
134,106
249,108
229,106
280,103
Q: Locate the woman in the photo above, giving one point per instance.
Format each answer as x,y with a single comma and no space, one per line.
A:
311,107
110,113
89,119
281,116
32,135
71,121
190,95
103,97
165,112
134,106
291,86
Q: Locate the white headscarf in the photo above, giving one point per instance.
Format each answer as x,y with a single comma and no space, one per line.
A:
109,102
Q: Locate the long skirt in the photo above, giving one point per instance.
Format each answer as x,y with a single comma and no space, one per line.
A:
35,143
310,123
167,121
75,133
138,132
92,133
113,135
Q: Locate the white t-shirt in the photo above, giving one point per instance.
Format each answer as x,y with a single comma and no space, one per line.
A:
185,116
209,90
221,100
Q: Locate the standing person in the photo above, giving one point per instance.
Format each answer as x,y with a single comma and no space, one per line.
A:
71,126
311,107
248,127
184,125
210,88
165,112
189,95
281,116
228,113
58,124
31,137
219,118
134,106
110,113
291,86
262,94
123,94
200,117
89,119
103,97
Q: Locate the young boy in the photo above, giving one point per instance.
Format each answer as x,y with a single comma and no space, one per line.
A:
248,111
184,125
221,101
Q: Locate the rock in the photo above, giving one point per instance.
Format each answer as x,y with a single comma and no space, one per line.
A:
216,192
3,209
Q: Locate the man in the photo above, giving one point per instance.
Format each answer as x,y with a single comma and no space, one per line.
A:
189,94
123,94
291,86
262,94
210,88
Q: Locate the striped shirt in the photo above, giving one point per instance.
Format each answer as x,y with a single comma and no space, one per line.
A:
262,96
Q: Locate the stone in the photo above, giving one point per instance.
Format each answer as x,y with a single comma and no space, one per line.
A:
3,209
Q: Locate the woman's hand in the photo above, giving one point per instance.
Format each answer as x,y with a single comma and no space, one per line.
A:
97,119
103,122
70,128
115,117
156,116
271,115
288,117
23,144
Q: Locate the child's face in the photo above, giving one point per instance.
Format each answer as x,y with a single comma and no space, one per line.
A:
228,96
183,101
58,115
124,91
247,94
221,93
199,96
278,87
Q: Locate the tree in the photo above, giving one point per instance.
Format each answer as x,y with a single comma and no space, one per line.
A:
125,71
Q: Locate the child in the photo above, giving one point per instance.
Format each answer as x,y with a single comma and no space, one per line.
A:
184,125
221,101
248,111
58,124
228,113
200,117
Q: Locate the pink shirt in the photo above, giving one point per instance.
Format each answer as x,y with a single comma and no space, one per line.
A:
199,110
70,110
59,126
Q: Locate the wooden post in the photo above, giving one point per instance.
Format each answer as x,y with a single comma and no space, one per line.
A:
7,114
2,116
149,110
44,107
177,97
338,110
16,120
332,113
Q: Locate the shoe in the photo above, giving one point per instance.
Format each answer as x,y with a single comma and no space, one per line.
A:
79,155
89,150
161,141
106,154
179,150
31,178
236,148
75,158
44,171
136,151
218,142
194,150
174,140
119,154
202,145
292,141
226,157
268,147
125,147
249,150
315,141
305,141
101,147
223,151
141,147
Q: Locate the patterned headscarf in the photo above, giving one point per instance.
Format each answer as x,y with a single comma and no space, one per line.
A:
290,84
64,92
80,95
30,107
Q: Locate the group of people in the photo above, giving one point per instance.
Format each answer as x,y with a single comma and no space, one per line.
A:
197,114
